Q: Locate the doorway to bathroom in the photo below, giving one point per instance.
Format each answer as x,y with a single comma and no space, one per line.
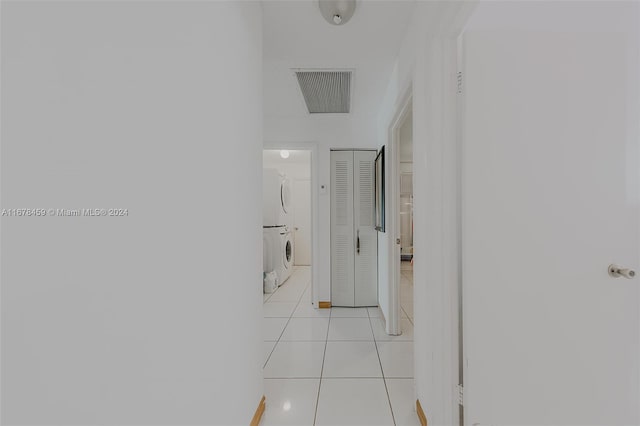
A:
401,255
404,178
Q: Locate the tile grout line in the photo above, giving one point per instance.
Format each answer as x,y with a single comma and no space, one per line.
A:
408,317
412,296
338,378
276,342
280,337
285,326
274,292
384,380
324,354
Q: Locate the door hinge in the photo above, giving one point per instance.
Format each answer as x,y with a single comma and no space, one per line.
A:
459,77
460,394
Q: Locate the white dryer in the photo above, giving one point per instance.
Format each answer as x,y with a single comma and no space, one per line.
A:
286,204
276,198
286,256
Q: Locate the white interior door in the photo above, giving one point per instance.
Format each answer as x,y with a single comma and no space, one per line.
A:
550,200
302,221
366,257
354,240
342,236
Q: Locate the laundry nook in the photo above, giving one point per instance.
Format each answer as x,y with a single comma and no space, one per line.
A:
286,215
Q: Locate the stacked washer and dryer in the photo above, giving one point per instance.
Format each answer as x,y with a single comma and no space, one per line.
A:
277,217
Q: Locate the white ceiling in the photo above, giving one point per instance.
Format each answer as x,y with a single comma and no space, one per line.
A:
295,35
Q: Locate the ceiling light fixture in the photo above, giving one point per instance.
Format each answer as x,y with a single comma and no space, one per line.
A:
284,153
337,12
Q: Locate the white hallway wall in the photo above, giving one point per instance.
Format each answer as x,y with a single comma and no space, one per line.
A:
428,59
426,68
146,106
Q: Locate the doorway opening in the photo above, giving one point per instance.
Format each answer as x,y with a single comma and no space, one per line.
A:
290,199
404,215
287,227
401,214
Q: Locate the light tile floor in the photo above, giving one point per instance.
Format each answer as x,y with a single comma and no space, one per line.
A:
335,366
406,290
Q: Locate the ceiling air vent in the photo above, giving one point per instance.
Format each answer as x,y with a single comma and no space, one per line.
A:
326,92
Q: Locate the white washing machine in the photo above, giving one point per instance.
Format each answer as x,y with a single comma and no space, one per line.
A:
286,257
278,251
276,198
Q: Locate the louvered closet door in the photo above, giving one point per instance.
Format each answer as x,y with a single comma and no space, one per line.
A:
366,271
342,238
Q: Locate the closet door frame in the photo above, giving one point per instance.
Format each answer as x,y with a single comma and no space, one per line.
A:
343,252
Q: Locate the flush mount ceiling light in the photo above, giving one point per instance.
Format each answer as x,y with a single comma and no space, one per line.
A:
284,153
337,12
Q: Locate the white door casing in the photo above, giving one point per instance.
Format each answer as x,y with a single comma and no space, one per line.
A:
302,221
